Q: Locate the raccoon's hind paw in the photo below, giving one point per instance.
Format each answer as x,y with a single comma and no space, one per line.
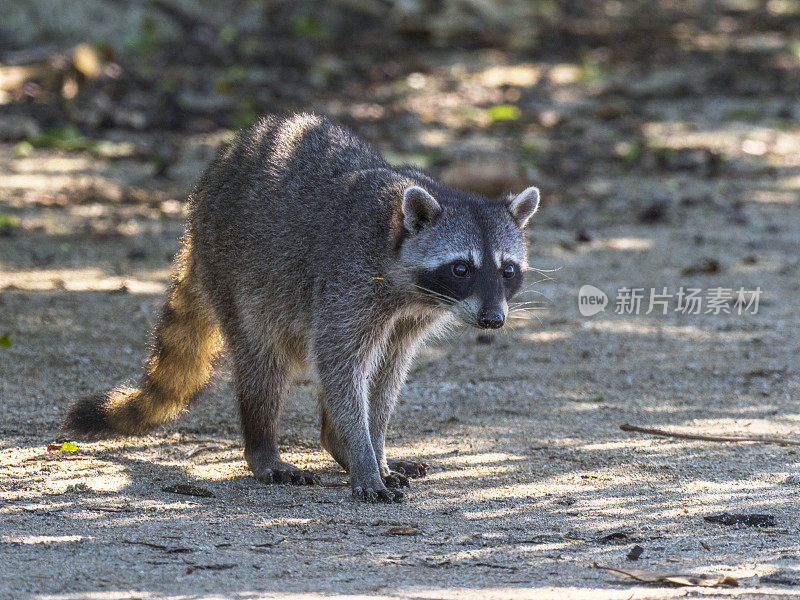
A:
409,468
286,473
365,494
395,480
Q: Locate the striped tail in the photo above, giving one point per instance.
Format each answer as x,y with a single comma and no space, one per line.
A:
187,339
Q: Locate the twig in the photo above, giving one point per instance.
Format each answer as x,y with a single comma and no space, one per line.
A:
712,438
495,566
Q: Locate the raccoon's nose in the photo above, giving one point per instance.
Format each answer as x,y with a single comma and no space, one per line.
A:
491,319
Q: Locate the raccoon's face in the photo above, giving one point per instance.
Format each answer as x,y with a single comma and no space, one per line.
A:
467,255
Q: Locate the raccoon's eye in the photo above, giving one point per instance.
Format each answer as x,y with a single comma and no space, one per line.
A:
509,271
460,269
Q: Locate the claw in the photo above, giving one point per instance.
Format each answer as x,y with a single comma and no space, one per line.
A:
379,495
409,468
396,480
289,475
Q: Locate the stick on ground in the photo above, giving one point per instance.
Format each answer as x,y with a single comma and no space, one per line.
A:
712,438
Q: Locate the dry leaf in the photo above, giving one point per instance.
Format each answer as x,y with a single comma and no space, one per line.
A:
750,520
404,531
635,553
671,578
186,489
204,447
65,447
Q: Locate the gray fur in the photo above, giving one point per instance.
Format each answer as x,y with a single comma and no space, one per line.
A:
300,243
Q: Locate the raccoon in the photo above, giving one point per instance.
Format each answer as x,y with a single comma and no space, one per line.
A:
302,245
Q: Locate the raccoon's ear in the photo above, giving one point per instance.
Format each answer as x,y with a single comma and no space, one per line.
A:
523,206
420,209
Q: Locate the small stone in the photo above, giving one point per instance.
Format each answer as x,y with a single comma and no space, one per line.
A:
705,266
654,212
635,553
137,254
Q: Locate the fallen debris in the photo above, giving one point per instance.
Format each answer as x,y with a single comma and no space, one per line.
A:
751,520
404,531
678,579
65,447
221,567
495,566
186,489
616,537
635,553
705,266
712,438
192,452
170,548
781,578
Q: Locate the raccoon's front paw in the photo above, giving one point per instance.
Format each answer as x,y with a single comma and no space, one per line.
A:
377,494
395,480
409,468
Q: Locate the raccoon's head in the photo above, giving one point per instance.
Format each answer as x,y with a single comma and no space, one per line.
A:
466,253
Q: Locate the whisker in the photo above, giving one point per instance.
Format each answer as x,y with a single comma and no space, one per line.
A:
525,317
544,303
529,288
540,281
527,306
439,296
525,311
541,271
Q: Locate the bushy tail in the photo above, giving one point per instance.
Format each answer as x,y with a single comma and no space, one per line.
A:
187,339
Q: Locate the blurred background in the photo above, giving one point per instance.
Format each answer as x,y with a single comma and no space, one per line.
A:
487,94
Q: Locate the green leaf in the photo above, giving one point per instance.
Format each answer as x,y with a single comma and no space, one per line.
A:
8,221
70,138
227,34
504,112
23,149
310,26
246,113
748,115
5,340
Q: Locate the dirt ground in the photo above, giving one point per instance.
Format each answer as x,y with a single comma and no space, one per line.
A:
662,174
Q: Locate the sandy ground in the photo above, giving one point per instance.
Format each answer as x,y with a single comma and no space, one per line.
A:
531,482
